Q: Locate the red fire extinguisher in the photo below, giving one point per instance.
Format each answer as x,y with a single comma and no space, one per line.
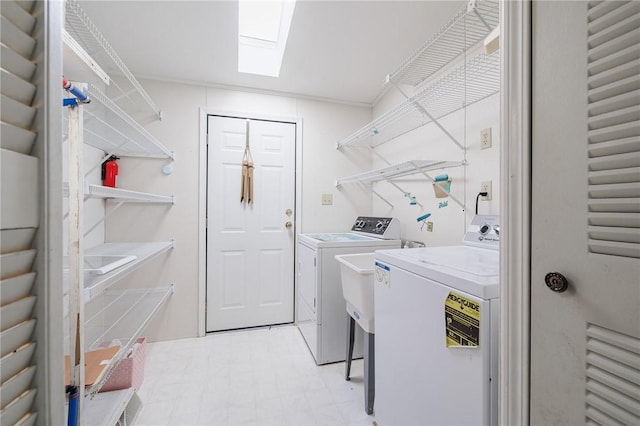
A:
110,172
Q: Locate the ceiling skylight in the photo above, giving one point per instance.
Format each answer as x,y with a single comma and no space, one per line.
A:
263,29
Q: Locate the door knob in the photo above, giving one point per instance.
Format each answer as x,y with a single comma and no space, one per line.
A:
556,282
288,224
288,212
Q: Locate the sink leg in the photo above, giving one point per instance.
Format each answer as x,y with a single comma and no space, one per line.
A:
351,329
369,372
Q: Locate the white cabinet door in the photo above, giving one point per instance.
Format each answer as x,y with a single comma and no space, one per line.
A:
585,341
250,249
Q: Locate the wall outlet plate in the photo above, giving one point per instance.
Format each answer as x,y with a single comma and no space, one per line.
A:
485,138
327,199
486,187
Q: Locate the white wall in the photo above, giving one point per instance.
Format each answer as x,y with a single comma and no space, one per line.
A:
323,124
430,143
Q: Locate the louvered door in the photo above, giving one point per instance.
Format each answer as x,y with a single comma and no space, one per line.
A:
27,321
585,341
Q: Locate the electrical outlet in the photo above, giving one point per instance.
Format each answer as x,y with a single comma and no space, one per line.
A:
429,226
486,187
485,138
327,199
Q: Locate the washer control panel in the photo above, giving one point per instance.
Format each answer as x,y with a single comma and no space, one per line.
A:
387,228
484,231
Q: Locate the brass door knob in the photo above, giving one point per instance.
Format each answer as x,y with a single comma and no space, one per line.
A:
288,224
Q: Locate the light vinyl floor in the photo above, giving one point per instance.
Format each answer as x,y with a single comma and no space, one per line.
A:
264,377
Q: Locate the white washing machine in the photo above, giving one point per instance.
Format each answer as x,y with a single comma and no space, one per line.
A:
320,306
437,317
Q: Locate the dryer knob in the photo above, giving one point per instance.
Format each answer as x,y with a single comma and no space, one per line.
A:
484,229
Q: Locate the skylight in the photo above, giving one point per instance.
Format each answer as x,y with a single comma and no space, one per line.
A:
263,30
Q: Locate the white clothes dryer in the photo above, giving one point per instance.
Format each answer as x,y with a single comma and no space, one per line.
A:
436,345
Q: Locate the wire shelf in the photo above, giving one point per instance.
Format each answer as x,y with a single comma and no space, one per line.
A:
118,194
130,94
98,191
399,170
107,407
111,129
123,316
94,285
468,26
470,82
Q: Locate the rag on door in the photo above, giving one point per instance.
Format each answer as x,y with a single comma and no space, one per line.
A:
246,189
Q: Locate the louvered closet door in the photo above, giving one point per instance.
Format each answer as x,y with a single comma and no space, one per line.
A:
585,341
19,213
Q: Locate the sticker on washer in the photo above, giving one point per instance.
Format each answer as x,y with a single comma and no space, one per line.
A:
462,321
382,274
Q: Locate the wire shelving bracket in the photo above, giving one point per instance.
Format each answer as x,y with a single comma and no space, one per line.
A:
81,29
408,168
467,27
465,85
111,129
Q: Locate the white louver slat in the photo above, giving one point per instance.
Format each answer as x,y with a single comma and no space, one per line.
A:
613,377
19,215
614,128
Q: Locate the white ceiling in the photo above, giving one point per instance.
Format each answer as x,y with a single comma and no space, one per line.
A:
338,50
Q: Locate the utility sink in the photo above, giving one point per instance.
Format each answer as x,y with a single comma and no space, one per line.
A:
356,271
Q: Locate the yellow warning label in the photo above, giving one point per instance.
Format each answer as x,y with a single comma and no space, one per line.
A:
462,321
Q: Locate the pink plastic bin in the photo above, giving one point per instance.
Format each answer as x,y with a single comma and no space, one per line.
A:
130,372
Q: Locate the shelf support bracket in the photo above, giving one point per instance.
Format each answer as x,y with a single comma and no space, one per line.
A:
473,6
373,191
432,118
441,127
377,154
105,158
116,207
399,89
406,194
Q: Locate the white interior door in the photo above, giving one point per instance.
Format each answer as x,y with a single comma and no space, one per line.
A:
250,246
585,341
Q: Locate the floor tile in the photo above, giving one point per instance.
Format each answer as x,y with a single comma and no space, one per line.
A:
263,377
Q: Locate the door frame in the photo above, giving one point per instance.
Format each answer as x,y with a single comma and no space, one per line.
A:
515,211
202,197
